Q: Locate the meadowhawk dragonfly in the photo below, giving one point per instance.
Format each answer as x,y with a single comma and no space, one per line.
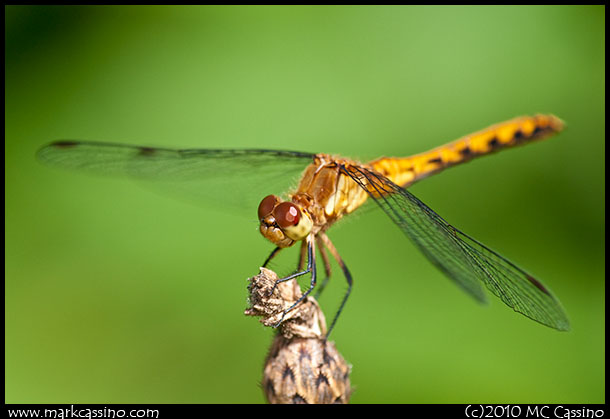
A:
331,187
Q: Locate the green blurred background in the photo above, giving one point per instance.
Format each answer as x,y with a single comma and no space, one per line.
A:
117,294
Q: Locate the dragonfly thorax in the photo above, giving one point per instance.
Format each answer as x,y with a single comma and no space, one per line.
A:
283,222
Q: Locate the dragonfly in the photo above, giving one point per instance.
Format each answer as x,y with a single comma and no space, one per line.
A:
331,187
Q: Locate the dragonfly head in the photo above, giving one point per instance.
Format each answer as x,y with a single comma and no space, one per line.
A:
283,223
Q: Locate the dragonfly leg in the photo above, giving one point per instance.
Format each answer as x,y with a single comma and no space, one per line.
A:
311,267
348,276
327,270
302,254
271,256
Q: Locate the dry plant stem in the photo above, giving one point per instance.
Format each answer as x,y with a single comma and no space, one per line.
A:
302,366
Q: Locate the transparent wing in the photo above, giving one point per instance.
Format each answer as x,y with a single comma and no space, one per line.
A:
239,177
460,257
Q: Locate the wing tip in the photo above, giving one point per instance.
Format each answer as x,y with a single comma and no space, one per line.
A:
561,323
563,326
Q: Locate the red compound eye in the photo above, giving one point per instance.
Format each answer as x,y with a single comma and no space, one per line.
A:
266,206
287,214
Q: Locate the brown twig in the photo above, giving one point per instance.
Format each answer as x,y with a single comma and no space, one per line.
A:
302,366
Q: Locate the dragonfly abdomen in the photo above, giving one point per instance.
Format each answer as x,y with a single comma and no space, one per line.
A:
407,170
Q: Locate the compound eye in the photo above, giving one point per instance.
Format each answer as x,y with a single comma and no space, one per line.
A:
266,206
287,214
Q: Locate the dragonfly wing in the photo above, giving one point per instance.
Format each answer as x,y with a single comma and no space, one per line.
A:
459,256
203,175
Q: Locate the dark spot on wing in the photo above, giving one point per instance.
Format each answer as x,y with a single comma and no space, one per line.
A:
64,144
146,151
436,160
538,285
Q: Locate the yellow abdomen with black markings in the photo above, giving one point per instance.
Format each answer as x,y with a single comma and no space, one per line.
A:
404,171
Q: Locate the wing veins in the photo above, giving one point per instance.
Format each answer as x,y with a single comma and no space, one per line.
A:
461,257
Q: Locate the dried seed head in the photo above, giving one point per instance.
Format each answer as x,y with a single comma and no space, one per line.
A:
306,320
302,366
303,370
